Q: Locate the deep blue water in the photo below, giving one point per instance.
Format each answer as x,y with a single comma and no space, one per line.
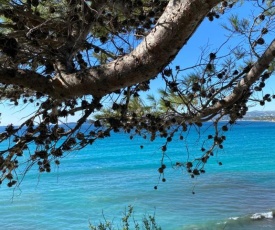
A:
115,172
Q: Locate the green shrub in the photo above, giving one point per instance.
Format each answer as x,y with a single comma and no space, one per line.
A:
128,222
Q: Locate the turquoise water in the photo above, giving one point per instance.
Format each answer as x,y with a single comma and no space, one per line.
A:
114,173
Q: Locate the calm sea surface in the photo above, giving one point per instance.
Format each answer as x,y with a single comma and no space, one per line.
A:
113,173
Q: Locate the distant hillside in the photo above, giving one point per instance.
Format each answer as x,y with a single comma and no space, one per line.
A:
250,116
257,116
260,116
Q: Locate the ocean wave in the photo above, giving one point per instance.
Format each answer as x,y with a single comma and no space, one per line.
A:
255,216
256,221
264,215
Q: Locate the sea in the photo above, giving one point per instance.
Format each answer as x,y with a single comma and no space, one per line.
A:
99,182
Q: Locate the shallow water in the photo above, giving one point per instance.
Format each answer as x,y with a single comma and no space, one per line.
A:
114,173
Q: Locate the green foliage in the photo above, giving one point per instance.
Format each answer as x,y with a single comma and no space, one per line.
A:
238,25
128,222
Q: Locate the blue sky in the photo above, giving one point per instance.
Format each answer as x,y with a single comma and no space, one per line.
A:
209,33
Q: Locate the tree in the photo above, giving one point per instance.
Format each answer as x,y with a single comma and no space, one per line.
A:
71,55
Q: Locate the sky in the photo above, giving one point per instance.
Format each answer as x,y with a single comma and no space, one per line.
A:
209,33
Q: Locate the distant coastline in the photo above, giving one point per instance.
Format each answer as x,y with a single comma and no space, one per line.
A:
268,116
259,119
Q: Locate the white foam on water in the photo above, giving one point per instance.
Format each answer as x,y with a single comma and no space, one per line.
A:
264,215
233,218
221,223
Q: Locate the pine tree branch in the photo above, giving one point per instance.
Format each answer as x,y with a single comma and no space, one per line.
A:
158,49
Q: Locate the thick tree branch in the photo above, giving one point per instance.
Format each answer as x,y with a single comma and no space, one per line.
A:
156,51
27,78
174,28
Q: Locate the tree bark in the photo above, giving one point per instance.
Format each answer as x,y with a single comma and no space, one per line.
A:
176,25
174,28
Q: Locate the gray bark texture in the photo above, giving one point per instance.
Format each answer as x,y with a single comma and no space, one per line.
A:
176,25
174,28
